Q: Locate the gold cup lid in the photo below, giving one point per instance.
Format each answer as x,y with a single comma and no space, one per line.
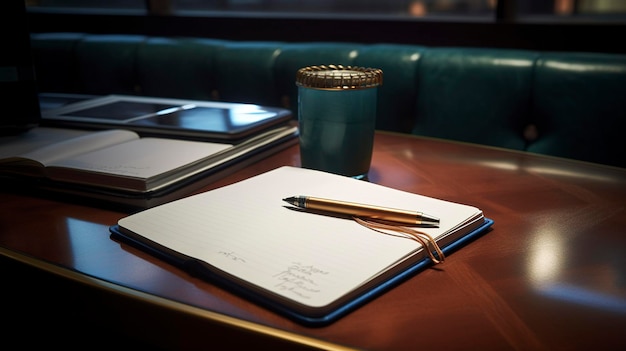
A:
339,77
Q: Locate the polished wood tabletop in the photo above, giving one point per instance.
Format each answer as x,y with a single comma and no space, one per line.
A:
549,275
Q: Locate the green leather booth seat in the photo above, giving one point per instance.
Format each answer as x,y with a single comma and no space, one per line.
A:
569,105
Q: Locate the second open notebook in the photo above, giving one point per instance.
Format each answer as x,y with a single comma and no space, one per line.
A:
312,268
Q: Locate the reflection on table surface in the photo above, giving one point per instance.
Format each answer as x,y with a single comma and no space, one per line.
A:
549,275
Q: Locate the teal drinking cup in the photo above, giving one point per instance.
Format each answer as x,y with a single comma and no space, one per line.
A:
337,117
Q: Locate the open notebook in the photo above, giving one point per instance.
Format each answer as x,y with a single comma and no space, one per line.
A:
121,167
312,268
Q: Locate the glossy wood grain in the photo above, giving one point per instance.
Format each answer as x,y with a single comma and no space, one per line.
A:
550,275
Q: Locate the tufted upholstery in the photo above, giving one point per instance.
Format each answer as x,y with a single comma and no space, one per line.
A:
177,68
562,104
475,95
580,107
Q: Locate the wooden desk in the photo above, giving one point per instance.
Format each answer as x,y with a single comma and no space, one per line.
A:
550,275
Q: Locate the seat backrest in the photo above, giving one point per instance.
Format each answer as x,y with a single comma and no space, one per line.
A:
398,93
107,63
475,95
54,56
244,72
579,106
177,68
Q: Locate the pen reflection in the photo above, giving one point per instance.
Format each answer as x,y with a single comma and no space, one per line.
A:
317,212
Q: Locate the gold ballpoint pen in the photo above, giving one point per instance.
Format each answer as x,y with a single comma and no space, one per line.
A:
362,210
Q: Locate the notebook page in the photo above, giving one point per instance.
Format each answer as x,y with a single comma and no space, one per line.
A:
143,158
45,145
246,230
78,145
16,145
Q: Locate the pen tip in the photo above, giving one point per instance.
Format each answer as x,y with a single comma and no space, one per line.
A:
428,219
292,200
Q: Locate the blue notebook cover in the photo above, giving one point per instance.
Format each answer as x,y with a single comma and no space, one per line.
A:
198,269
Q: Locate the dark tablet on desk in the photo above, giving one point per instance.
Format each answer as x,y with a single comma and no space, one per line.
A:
150,116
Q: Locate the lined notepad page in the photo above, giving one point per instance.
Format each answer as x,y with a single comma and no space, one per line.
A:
46,145
145,157
246,230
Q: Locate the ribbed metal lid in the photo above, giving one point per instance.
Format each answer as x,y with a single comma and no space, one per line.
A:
339,77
